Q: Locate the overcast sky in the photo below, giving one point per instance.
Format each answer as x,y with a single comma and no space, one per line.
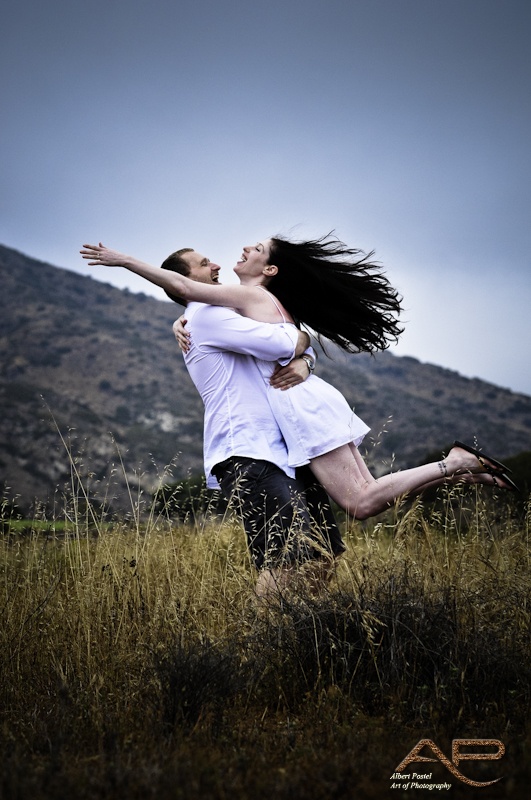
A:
405,125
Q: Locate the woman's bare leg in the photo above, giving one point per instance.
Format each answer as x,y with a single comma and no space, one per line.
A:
346,478
467,477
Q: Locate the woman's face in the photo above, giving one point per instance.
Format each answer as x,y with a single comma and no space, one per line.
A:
254,259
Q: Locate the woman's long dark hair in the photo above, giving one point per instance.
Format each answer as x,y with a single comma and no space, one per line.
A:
337,292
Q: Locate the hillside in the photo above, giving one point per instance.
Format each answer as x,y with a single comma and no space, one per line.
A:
99,367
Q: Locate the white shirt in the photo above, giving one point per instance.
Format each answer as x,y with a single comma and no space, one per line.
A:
238,417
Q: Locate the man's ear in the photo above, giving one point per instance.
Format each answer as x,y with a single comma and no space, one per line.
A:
270,270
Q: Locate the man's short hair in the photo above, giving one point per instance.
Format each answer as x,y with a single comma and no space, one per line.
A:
176,263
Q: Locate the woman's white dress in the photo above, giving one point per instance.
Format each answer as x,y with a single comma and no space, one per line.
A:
313,416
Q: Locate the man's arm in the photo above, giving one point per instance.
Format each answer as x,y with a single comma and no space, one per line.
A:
219,328
295,372
303,343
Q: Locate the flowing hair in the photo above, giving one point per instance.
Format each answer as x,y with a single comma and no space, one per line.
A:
336,291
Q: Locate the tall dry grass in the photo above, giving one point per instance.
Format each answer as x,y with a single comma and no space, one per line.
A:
136,663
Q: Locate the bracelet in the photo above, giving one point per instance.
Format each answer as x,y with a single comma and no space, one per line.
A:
310,363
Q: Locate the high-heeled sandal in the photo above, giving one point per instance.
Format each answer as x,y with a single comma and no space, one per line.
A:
501,476
489,464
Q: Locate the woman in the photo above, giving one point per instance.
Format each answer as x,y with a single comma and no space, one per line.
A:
342,296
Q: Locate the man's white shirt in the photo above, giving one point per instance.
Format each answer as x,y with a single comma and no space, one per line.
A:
238,417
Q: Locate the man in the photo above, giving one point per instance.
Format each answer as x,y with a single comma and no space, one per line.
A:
244,452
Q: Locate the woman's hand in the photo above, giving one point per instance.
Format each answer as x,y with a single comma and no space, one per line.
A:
293,373
103,256
181,334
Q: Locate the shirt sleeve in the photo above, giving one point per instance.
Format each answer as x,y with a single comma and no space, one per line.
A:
219,328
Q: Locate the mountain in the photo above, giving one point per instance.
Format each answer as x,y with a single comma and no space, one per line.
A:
93,385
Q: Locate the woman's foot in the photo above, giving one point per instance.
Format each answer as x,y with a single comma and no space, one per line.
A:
500,480
462,459
491,464
504,482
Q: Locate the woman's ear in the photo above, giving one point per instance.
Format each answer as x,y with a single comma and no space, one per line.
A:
270,270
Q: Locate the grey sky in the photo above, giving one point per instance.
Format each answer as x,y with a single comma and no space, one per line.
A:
405,125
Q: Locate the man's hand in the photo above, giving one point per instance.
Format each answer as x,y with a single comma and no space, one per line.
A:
103,256
293,373
181,334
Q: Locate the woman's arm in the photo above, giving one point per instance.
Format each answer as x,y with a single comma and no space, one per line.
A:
247,300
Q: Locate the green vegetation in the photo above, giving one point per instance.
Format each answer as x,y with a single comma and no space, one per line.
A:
135,662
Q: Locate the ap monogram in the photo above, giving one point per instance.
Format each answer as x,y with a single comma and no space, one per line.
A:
457,756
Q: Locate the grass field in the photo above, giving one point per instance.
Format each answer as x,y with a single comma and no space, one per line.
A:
135,663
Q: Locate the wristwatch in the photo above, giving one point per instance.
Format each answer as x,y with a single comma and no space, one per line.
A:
310,363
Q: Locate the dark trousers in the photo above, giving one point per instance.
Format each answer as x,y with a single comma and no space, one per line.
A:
286,520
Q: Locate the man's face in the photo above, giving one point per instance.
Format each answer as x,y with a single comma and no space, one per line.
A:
201,268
